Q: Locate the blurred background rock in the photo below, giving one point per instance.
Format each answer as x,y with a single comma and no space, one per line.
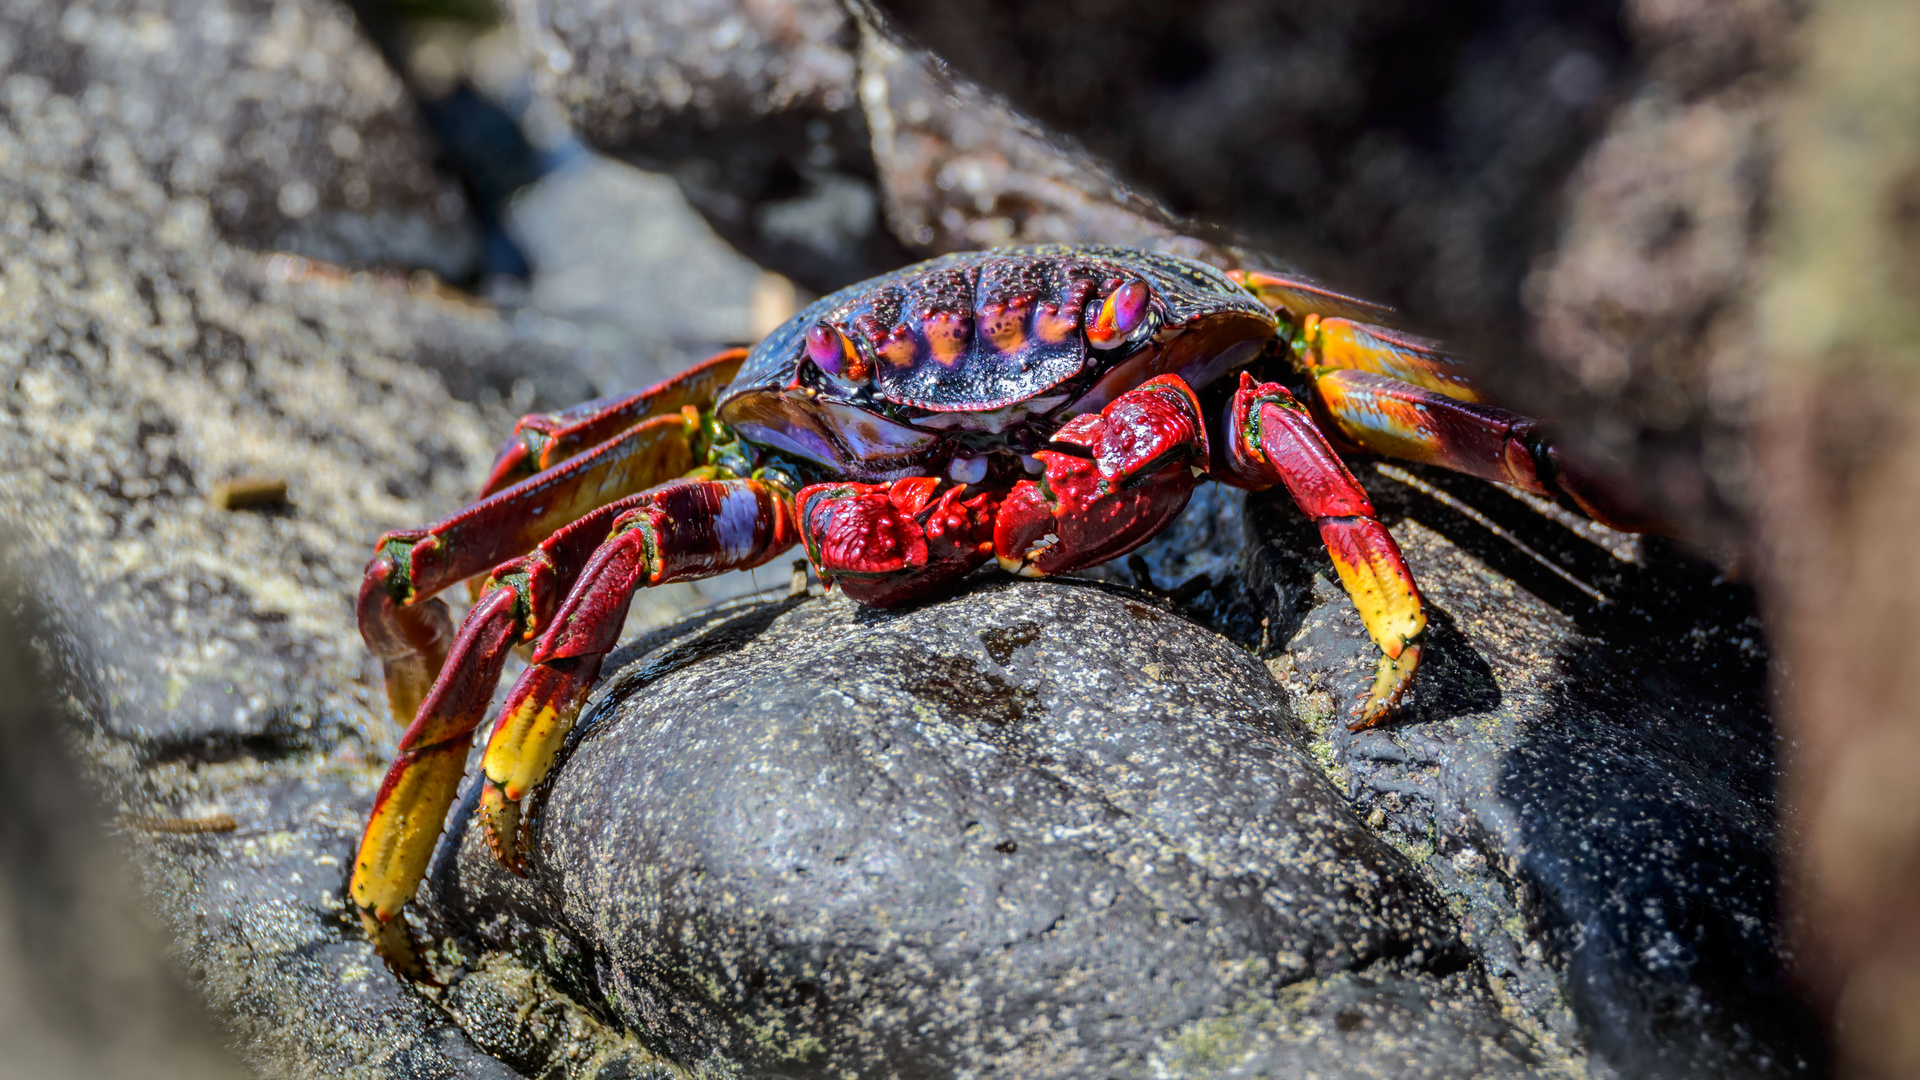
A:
88,983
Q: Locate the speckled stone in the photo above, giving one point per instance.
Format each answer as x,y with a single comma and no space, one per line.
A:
205,661
1585,766
1044,829
273,121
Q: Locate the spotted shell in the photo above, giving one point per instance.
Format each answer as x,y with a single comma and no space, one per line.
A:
979,344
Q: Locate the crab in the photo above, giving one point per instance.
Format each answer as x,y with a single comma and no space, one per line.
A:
1047,409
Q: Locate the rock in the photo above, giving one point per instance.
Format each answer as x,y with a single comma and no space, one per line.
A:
204,661
85,986
1039,828
752,108
273,122
1646,312
959,170
824,146
620,251
1585,766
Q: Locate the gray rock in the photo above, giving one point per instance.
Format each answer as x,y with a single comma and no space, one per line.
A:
85,987
204,662
1585,766
276,123
754,109
1041,828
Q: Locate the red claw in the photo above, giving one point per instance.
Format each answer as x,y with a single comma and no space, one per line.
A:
1144,454
888,543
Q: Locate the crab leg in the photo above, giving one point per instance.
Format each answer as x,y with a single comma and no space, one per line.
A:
420,784
677,532
1387,416
1272,440
542,440
1295,296
408,630
1342,344
1390,417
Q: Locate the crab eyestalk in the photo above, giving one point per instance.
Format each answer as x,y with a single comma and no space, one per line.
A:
1122,313
835,354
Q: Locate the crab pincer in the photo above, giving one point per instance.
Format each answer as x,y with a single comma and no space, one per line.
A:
1112,480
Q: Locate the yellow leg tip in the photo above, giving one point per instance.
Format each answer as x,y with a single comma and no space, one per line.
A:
393,940
504,826
1390,682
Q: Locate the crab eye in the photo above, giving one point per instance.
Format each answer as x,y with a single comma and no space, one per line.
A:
1123,312
833,352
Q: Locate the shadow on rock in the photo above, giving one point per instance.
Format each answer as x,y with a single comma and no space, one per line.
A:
1643,792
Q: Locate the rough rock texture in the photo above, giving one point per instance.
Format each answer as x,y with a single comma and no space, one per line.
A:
1587,767
620,252
1380,138
1038,829
204,660
1645,310
85,986
900,157
1594,739
275,122
959,170
1840,313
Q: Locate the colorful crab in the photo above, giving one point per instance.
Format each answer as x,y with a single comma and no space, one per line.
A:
1048,408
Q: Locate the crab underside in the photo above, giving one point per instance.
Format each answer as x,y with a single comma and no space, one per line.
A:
1049,409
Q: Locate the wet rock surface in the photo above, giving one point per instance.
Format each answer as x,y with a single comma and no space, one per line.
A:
1050,829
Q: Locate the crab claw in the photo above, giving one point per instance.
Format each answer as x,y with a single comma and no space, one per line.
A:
886,543
1117,478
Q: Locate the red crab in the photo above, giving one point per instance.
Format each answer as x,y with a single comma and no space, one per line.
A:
1048,408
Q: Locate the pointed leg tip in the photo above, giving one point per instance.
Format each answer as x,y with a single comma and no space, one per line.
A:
393,939
1390,682
506,829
